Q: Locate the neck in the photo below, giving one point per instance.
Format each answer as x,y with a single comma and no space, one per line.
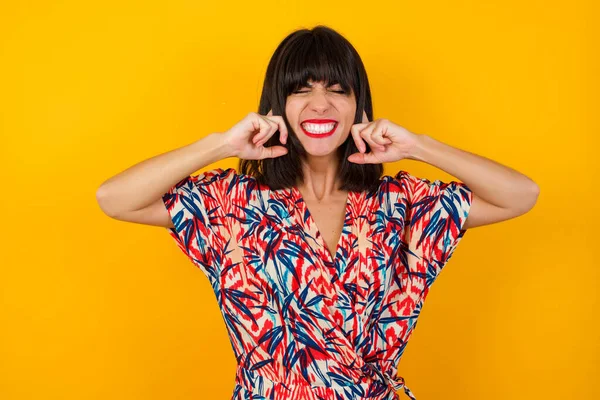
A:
321,179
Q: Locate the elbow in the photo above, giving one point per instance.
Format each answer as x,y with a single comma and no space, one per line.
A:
532,197
536,191
103,202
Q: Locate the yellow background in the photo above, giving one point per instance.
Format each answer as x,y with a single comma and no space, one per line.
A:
94,308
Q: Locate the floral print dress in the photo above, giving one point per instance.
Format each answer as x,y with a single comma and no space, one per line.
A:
304,324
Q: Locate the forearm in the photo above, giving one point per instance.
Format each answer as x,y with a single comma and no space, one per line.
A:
493,182
144,182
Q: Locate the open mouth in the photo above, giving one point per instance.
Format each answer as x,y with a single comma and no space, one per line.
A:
319,130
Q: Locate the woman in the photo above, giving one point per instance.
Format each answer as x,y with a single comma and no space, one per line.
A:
320,265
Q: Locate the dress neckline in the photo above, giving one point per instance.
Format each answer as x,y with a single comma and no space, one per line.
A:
314,231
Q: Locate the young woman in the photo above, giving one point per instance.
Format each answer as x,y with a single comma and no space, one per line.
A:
320,265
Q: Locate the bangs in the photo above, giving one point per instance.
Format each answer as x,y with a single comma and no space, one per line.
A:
320,60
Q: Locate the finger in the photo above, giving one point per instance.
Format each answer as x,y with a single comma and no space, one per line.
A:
367,135
378,138
270,113
355,131
273,151
360,127
277,123
384,135
267,128
363,158
283,132
365,119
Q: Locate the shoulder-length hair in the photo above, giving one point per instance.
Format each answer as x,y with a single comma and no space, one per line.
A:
322,55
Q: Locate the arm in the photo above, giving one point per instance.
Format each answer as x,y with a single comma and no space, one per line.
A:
142,184
135,195
499,192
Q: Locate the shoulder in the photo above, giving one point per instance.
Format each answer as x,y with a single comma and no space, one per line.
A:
217,175
401,190
234,188
228,177
400,183
413,187
390,194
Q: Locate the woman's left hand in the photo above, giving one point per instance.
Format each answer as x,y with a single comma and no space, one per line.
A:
388,142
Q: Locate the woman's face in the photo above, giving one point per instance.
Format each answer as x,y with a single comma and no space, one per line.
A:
332,112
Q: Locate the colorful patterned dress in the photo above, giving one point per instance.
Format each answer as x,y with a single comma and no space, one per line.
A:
305,326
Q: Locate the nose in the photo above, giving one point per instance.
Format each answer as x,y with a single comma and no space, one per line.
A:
318,101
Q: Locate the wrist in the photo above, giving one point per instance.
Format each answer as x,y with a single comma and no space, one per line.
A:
224,146
421,148
227,147
217,146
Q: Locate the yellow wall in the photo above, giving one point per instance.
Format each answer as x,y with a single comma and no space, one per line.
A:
94,308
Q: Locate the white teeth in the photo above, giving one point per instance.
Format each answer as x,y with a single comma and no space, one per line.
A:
318,128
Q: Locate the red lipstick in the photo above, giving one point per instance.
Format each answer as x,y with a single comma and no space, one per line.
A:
319,121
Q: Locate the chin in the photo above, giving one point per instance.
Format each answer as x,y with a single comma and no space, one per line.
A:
320,152
321,147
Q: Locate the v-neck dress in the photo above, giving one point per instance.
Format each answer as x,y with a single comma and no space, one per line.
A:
303,324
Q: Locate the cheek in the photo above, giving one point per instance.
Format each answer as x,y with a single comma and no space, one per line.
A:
291,115
344,135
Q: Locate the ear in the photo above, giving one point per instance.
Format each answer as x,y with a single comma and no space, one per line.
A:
365,119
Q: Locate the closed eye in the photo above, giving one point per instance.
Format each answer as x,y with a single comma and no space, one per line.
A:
306,91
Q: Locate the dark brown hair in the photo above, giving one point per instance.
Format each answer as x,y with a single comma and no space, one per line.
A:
322,55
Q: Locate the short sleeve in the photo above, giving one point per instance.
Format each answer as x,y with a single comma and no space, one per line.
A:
198,206
436,214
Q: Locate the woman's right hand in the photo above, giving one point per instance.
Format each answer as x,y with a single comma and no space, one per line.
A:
246,139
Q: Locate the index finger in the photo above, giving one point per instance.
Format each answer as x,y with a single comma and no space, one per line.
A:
283,133
355,132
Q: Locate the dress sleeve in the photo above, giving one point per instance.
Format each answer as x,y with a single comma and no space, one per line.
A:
198,206
436,214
